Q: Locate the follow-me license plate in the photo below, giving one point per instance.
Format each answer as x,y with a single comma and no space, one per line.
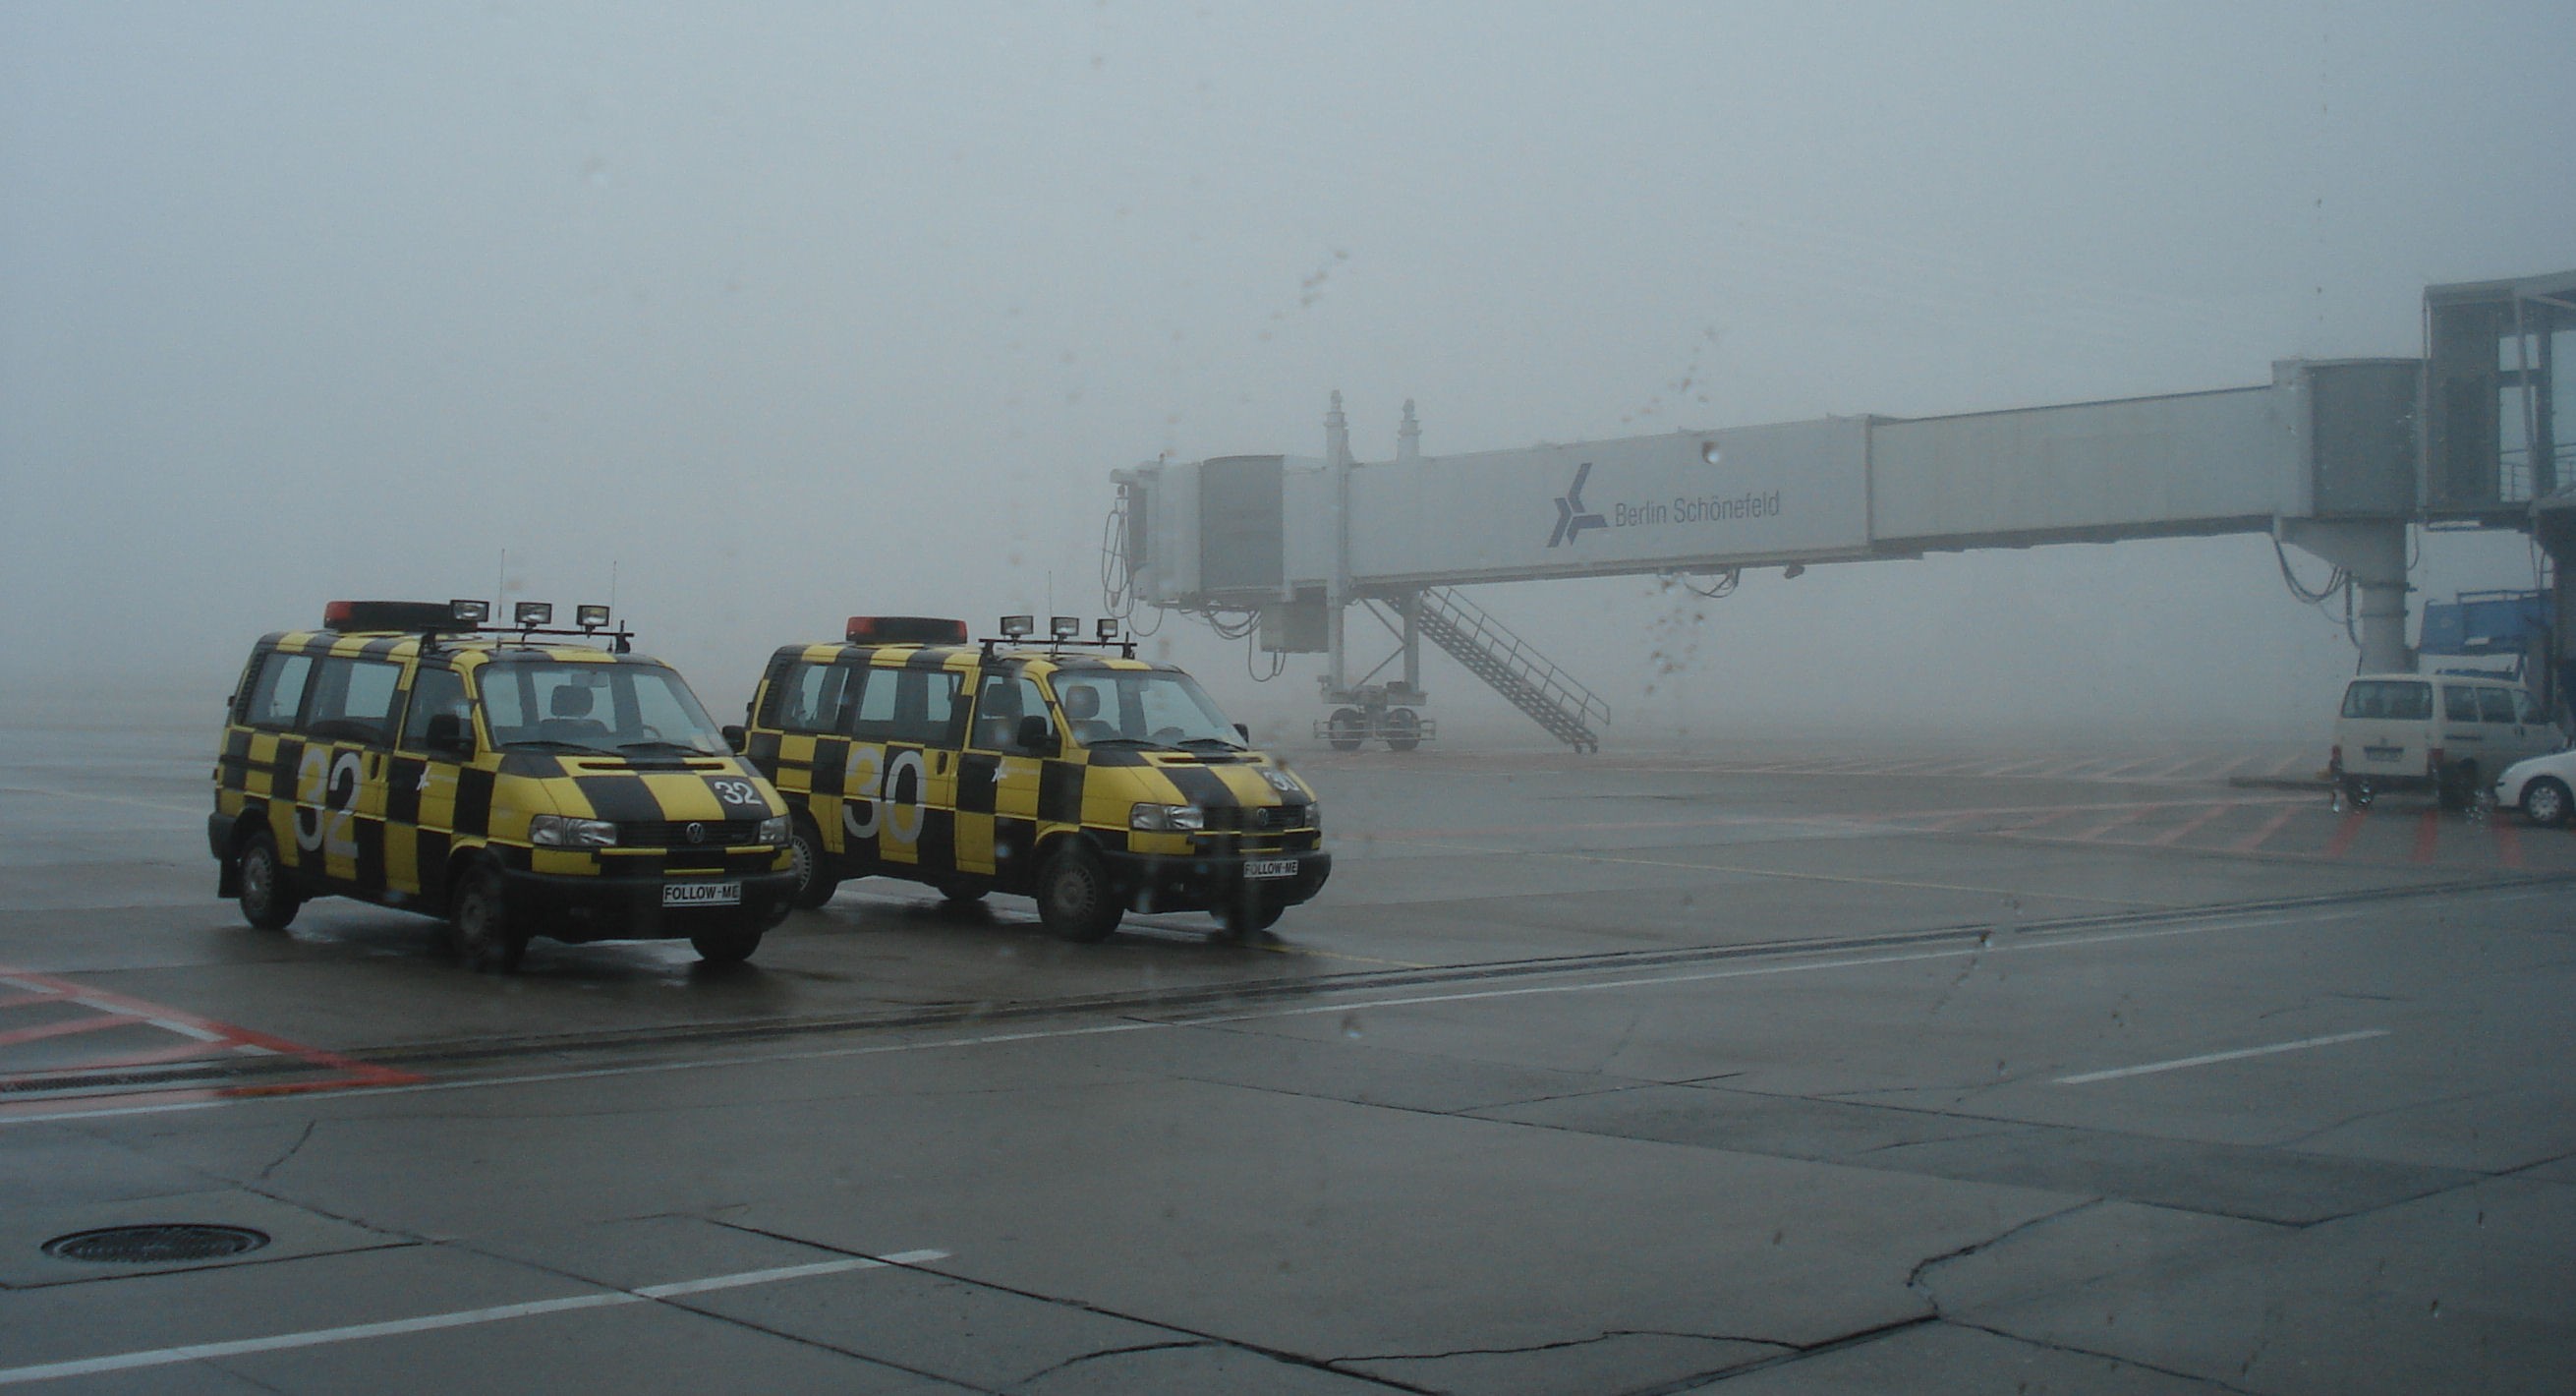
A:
1270,867
702,894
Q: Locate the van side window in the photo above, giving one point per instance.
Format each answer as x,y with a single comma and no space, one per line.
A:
808,698
436,691
905,705
2394,700
1004,700
353,700
276,694
2459,703
2526,709
2495,705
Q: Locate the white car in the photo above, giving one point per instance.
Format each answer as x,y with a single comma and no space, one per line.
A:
2540,787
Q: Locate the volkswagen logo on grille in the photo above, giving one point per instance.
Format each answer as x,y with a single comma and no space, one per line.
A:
697,833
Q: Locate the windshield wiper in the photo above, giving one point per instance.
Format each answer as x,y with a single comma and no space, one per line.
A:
550,744
1125,741
660,744
1227,743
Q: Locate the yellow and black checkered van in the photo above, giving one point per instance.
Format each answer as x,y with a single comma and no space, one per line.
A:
515,782
1095,782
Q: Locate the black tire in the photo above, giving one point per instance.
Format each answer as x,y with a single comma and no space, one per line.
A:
815,883
269,899
2545,802
728,945
2458,787
2358,792
488,939
1403,729
1076,898
1347,727
964,892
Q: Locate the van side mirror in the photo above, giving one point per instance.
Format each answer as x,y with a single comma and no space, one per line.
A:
448,735
1036,736
1243,734
737,738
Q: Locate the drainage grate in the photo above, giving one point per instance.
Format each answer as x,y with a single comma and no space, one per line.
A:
157,1244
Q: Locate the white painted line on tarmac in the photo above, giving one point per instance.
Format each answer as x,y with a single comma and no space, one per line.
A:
2319,916
2178,1063
461,1318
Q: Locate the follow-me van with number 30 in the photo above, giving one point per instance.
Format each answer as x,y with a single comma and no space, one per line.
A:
1067,770
514,780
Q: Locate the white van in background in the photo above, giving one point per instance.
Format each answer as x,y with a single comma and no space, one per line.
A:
2448,733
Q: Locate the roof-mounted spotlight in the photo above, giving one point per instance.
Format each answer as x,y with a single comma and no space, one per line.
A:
1065,627
470,611
1018,627
590,617
1106,629
531,614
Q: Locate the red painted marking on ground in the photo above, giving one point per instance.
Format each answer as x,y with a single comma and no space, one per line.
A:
207,1037
2345,833
2106,826
2508,840
2428,834
2269,827
2177,832
65,1028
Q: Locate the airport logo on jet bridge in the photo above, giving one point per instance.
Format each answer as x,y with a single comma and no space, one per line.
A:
1570,518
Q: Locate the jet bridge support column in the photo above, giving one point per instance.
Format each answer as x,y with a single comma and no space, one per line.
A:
2372,552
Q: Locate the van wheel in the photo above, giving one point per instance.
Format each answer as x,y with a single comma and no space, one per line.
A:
963,891
487,938
2545,802
1076,898
268,896
814,881
728,945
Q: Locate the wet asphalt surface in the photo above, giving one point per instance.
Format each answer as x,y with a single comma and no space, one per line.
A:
1928,1070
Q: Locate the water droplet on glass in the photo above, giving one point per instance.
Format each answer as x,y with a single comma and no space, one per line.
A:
1351,1025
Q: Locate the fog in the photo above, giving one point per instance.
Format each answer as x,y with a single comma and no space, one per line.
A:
765,315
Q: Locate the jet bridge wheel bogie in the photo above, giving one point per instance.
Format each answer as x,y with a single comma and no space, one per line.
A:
1347,727
1402,729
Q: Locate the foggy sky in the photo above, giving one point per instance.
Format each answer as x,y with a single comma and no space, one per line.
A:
785,312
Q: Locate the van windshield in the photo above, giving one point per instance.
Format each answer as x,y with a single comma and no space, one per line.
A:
2396,700
604,709
1152,708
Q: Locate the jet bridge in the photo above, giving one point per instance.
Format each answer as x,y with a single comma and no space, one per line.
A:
2329,456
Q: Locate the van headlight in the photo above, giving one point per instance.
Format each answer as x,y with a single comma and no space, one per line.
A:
564,831
1164,819
772,830
1315,815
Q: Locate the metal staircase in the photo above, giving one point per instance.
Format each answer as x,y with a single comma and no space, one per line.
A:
1569,711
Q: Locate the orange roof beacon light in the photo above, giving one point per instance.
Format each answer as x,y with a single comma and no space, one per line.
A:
905,630
361,616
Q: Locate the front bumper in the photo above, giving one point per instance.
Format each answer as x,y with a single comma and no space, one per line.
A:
1194,882
576,908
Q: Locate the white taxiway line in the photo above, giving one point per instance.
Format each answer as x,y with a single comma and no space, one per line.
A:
462,1318
2178,1063
1803,966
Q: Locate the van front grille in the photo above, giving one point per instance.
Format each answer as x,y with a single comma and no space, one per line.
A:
674,833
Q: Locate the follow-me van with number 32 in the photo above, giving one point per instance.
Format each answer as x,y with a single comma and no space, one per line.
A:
517,780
